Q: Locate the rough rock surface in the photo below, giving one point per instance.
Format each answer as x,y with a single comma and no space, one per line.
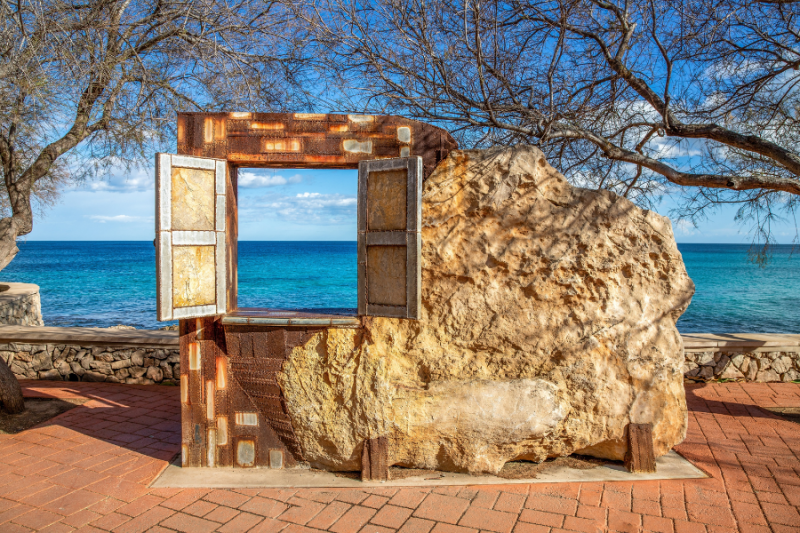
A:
548,324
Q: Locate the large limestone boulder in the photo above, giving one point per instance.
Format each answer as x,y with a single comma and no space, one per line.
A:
548,325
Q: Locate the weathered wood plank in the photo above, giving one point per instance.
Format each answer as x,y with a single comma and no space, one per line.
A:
640,457
375,460
389,270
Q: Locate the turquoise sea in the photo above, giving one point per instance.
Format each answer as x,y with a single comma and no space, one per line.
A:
108,283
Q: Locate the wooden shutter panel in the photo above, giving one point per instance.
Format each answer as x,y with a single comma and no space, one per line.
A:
190,236
389,219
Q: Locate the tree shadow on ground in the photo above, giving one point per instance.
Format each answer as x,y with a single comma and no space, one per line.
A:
141,418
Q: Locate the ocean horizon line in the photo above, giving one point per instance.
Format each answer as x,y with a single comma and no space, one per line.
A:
103,283
149,241
353,241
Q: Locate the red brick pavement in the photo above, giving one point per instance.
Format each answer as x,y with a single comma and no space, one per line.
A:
89,470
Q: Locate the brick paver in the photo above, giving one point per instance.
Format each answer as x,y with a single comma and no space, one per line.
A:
89,470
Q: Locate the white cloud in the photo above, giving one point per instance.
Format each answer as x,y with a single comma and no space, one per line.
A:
302,208
684,227
251,180
735,69
120,218
138,180
670,148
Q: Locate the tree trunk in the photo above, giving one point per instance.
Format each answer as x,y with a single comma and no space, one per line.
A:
10,391
8,240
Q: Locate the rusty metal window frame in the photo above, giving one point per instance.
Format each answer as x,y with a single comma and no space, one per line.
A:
265,316
301,140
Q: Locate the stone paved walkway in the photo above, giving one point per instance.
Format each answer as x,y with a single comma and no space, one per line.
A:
89,470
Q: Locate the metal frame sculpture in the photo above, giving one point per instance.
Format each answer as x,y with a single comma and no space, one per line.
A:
232,409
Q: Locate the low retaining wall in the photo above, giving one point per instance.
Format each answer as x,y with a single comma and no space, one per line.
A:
20,304
145,357
91,354
747,357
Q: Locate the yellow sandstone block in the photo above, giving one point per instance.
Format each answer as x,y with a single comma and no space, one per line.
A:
193,276
192,199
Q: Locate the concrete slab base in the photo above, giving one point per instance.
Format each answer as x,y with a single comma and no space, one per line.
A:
670,466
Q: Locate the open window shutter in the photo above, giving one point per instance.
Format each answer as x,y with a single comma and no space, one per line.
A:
389,215
190,236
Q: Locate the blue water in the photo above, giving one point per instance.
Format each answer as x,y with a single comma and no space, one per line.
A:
298,275
101,284
734,295
108,283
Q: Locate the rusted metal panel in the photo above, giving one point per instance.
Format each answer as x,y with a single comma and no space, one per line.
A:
302,140
255,405
204,413
386,275
386,197
233,409
187,437
232,237
194,424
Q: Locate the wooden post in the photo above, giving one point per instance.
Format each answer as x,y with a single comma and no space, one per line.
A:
640,457
375,460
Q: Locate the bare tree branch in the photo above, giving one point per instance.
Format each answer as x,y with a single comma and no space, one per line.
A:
85,87
700,94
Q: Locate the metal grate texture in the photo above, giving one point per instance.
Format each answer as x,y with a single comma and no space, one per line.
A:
233,410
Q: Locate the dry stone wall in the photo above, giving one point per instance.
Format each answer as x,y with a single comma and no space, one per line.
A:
758,366
72,362
140,365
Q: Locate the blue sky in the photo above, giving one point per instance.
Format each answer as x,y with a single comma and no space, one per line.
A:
281,205
284,205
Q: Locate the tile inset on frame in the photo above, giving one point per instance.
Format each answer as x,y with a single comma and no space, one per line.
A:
194,279
192,199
